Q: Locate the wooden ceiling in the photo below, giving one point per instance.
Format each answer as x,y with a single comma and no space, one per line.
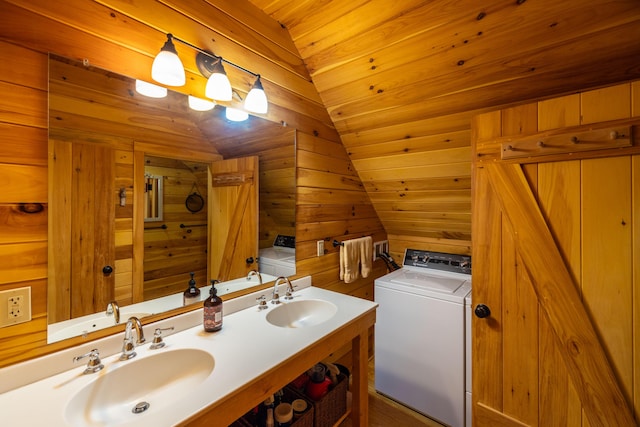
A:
379,63
397,82
401,80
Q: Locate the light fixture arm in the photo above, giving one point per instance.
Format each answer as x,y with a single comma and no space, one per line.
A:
211,55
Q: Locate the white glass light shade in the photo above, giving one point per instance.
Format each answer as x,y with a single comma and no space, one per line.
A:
167,67
200,104
256,100
236,115
150,90
218,85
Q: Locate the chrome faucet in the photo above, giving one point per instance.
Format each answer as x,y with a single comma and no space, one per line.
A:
128,345
276,297
94,364
113,309
255,273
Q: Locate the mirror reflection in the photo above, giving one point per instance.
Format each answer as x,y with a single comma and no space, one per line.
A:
104,138
153,202
175,244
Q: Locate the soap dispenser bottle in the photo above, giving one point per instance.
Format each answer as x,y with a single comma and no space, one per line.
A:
213,310
192,294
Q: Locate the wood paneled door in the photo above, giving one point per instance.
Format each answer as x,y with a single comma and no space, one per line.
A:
82,228
555,249
233,228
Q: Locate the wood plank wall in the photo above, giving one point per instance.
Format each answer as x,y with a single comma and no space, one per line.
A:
124,39
23,173
590,201
332,204
171,254
418,176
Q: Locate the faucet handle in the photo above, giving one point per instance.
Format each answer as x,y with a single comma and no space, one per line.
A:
262,302
157,338
94,364
276,298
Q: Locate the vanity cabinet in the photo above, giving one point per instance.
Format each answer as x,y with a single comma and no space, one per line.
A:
225,411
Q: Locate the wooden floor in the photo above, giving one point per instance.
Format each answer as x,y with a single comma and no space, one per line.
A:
384,412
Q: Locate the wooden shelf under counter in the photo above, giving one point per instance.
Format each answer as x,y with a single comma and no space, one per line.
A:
223,412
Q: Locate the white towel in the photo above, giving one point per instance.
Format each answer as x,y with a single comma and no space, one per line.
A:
350,260
366,255
356,258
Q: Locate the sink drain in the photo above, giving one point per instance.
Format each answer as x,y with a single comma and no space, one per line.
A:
140,407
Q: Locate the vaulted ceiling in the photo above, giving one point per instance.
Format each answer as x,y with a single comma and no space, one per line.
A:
401,80
379,63
396,81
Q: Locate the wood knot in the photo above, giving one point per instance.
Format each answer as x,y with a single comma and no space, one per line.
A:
31,208
480,16
573,347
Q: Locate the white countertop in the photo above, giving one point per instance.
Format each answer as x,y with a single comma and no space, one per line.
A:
245,348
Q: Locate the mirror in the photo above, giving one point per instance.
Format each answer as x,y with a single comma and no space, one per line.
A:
111,130
175,244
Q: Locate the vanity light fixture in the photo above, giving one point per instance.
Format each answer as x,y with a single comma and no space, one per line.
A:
218,86
168,69
150,90
256,100
200,104
236,115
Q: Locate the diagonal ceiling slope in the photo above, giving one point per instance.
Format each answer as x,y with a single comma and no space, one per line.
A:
400,80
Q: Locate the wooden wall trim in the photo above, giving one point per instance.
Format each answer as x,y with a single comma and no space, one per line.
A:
581,350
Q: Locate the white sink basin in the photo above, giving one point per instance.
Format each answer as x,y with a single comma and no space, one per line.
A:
301,313
157,380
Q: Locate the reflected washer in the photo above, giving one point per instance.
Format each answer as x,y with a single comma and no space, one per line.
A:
422,355
280,259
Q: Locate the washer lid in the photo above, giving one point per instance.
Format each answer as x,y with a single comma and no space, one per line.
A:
277,254
445,285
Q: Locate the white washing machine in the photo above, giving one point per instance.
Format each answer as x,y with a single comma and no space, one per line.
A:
280,259
422,336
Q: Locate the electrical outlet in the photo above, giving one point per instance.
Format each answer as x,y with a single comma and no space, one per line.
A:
379,247
320,247
15,306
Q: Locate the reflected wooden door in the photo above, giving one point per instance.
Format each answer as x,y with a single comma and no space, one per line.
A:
233,228
83,200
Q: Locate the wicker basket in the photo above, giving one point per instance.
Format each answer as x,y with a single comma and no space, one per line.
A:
241,422
329,409
304,420
307,418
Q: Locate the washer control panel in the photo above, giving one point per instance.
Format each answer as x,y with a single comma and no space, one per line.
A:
438,261
285,241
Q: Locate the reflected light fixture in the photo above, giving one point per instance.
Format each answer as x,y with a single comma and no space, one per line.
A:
256,100
167,67
200,104
236,115
150,90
